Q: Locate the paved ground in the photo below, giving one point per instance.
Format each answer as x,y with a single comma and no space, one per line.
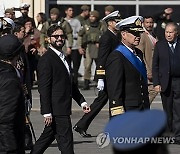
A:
85,145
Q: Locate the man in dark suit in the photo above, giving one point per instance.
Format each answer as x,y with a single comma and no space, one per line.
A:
56,90
107,43
125,70
12,108
166,76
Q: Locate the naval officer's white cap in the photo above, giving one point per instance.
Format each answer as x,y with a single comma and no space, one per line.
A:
8,23
133,23
112,16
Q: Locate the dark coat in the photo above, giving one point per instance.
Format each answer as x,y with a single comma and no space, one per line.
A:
56,86
11,110
125,85
161,63
107,43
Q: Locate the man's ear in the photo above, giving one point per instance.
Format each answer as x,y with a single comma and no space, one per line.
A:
49,39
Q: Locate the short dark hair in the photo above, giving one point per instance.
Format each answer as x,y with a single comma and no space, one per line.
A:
147,17
17,28
43,16
53,28
68,6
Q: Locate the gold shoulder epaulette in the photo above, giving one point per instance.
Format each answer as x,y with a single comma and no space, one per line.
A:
100,72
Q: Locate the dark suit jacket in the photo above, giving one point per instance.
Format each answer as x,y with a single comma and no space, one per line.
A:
56,86
161,63
107,43
125,85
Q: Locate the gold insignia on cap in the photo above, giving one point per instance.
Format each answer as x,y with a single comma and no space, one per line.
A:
138,22
5,22
117,110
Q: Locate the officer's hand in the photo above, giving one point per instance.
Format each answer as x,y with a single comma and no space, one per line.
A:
157,88
100,85
48,120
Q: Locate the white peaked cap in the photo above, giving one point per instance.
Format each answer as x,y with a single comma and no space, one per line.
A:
9,21
132,23
24,5
112,16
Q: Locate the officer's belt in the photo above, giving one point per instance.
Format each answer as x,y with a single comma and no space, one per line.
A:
133,60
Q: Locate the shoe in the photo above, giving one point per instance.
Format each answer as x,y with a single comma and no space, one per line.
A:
81,132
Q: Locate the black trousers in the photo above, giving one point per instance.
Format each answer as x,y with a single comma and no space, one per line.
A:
75,58
171,105
61,130
96,107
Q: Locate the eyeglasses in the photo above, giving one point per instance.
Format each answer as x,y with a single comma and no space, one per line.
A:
57,36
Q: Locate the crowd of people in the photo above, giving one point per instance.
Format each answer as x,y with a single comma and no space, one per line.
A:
135,60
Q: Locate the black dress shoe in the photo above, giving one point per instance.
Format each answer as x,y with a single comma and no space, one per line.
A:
81,132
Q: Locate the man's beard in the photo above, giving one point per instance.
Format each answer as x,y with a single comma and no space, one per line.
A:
58,47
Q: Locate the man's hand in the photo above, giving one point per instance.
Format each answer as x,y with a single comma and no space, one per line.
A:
82,51
86,109
68,51
168,11
100,85
157,88
48,120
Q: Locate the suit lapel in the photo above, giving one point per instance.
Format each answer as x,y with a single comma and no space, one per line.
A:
59,61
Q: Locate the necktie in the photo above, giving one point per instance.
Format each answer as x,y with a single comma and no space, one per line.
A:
172,47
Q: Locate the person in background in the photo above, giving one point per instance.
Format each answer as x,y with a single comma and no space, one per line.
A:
146,45
41,19
7,26
75,56
57,89
166,77
107,10
161,19
22,65
88,43
126,75
12,108
31,43
24,9
84,15
9,13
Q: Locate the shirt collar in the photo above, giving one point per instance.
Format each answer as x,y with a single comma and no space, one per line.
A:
112,31
128,48
174,43
59,53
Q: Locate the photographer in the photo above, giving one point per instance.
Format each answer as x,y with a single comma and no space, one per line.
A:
24,9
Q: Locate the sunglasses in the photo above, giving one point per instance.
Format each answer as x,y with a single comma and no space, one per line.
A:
57,36
135,33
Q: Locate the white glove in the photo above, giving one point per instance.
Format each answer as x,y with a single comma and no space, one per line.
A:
100,85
